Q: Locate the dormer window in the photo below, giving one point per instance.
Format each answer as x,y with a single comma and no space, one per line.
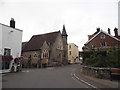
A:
102,36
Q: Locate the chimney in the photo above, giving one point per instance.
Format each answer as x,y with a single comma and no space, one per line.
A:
89,37
116,32
109,31
98,29
12,23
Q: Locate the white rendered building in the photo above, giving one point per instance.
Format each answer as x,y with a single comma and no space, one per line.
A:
10,41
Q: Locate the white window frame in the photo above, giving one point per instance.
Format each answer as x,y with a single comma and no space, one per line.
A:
9,52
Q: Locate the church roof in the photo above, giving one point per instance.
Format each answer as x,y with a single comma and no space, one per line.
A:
36,42
64,33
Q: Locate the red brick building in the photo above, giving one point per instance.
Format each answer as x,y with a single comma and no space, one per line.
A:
102,40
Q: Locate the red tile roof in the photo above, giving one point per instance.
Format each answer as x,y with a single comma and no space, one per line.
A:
37,41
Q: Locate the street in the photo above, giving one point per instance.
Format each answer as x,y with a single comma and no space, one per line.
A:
51,77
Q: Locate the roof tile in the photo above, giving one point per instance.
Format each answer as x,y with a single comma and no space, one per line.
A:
36,42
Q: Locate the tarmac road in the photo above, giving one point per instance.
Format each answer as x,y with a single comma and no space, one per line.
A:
51,77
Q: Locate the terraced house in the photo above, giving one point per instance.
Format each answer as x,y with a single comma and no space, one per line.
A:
48,49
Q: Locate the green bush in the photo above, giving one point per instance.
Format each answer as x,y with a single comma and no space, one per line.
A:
108,58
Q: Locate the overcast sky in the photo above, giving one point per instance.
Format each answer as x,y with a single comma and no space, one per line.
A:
81,17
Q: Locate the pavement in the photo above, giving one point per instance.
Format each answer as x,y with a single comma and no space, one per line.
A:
95,82
4,71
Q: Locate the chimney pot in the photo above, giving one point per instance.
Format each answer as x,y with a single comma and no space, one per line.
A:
109,31
116,32
98,29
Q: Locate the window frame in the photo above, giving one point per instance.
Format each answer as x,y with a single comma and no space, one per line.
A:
103,44
7,53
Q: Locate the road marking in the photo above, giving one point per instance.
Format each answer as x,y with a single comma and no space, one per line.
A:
78,79
86,82
50,68
80,82
26,71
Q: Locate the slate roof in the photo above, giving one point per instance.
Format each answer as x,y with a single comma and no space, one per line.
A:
36,42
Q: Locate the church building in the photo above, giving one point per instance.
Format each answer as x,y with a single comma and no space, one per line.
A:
48,49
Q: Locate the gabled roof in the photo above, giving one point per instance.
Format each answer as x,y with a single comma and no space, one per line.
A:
10,27
90,36
99,33
36,42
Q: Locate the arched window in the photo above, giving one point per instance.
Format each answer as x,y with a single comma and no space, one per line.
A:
45,54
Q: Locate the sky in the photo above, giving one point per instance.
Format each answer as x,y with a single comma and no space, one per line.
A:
80,17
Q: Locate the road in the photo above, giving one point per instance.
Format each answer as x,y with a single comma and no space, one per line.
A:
52,77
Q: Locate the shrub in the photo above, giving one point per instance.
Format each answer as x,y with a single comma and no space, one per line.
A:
108,58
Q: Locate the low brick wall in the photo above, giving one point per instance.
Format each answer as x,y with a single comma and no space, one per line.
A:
103,73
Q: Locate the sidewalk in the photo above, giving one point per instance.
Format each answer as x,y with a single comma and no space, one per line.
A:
4,71
95,82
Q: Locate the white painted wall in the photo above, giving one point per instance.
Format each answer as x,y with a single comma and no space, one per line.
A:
12,39
0,39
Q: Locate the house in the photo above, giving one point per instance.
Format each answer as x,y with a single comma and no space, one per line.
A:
73,53
102,40
10,44
46,49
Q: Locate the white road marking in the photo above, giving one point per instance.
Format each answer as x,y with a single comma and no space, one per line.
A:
76,79
50,68
86,82
80,82
26,71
